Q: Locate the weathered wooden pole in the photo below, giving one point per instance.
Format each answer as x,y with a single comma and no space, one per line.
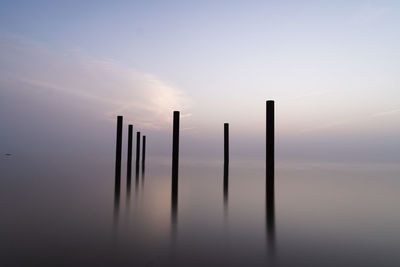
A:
270,144
129,161
118,153
137,151
226,143
226,162
143,152
270,179
175,151
175,166
117,188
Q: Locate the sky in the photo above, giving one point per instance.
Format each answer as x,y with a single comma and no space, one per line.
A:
68,68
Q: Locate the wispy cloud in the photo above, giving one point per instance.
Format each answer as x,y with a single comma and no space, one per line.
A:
386,113
142,97
353,119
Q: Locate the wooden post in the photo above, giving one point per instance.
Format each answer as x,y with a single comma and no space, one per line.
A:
118,153
129,161
270,143
226,143
175,166
226,162
175,151
143,152
117,188
137,151
270,180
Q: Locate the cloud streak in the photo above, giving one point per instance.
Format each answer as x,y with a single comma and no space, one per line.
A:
143,98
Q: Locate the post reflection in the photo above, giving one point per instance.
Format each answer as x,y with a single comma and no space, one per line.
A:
174,219
270,222
136,182
128,193
117,196
143,175
226,187
174,209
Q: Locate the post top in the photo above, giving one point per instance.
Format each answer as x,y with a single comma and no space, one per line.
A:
270,101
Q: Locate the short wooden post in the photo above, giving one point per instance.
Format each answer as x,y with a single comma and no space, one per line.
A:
118,152
129,160
143,152
137,151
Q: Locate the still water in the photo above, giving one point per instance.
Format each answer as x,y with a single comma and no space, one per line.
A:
64,212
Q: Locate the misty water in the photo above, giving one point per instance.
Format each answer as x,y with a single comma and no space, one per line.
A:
65,213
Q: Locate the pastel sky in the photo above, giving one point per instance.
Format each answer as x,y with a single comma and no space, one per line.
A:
333,68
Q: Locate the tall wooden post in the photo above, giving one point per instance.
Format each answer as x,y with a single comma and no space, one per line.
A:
117,188
175,166
175,151
270,179
226,162
270,144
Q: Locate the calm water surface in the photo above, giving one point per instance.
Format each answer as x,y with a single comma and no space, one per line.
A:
64,212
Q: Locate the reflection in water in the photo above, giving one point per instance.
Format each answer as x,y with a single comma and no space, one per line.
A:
117,196
143,180
270,222
136,182
128,193
226,187
174,216
174,207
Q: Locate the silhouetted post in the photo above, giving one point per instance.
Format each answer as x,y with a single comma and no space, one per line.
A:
129,162
117,188
118,153
175,165
226,143
226,162
137,151
270,143
175,152
143,152
270,183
